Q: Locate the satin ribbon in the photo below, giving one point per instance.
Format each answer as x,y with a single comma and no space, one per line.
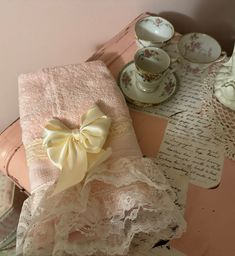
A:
76,151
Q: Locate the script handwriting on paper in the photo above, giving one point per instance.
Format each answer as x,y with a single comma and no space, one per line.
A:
188,96
179,184
189,145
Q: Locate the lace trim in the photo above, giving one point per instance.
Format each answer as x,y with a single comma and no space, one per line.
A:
36,151
102,215
121,127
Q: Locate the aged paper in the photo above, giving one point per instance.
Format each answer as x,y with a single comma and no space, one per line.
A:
188,97
195,126
189,145
179,183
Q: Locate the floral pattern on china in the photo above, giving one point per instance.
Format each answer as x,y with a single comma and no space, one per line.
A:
169,87
158,22
153,31
152,64
128,84
151,55
199,48
195,46
197,52
126,79
147,53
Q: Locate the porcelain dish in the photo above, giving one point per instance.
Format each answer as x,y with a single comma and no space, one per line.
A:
199,48
198,51
153,31
152,64
128,84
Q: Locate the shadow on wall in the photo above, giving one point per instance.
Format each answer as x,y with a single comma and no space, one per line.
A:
214,17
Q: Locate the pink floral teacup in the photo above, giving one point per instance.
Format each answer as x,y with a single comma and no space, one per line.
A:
153,31
197,51
152,65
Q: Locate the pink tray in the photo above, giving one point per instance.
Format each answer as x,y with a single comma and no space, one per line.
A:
210,214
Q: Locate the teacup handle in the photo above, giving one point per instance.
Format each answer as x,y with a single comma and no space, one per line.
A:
141,43
230,82
167,72
222,56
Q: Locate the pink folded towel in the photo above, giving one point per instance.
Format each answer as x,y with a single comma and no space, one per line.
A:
122,206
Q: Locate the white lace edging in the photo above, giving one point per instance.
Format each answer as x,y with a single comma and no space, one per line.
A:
117,210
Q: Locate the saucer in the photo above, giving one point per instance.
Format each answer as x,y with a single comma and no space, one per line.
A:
127,83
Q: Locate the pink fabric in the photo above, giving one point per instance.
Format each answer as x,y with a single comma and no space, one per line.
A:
51,92
123,206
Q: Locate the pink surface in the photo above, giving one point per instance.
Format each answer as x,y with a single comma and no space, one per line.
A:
149,130
37,34
12,156
66,93
210,213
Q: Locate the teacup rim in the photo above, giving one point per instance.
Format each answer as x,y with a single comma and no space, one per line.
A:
203,34
153,16
154,48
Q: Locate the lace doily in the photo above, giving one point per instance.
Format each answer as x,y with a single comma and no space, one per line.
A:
8,213
221,118
125,207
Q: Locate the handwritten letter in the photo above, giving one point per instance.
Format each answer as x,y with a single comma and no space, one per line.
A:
188,96
188,145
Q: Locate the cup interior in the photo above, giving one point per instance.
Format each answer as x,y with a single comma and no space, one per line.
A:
199,48
152,60
154,29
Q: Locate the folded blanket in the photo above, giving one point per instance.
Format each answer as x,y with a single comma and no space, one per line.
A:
92,194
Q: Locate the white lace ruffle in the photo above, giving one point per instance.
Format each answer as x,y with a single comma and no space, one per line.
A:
120,209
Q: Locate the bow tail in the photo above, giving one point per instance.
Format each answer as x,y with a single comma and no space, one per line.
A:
70,177
96,159
72,173
94,162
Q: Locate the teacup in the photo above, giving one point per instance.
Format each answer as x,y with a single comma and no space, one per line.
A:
198,51
152,65
153,31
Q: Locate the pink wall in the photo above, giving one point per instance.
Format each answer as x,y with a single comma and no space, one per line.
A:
55,32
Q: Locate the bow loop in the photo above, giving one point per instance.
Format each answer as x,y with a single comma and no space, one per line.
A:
76,151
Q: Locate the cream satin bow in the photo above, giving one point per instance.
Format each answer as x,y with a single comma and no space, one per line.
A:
76,151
